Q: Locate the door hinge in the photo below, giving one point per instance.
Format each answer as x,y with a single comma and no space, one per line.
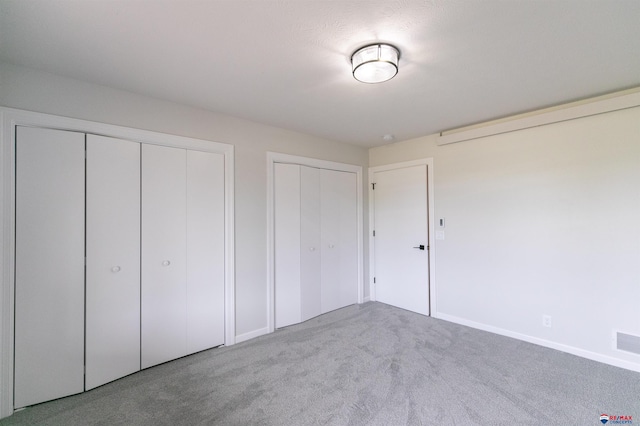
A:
373,186
374,280
374,232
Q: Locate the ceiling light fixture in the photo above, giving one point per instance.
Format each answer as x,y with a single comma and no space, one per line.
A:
375,63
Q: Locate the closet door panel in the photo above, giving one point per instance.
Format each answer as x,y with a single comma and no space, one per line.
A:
347,194
164,298
330,240
49,268
205,250
339,239
310,270
287,244
113,260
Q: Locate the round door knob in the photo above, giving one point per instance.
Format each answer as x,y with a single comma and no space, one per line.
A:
312,249
166,263
331,246
115,269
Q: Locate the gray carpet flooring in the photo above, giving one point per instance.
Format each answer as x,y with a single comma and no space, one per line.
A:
368,364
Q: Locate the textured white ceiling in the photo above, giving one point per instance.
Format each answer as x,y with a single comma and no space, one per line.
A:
286,62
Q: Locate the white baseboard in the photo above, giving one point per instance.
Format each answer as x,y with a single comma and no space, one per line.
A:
252,334
629,365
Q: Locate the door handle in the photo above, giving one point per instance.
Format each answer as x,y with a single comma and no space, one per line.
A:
421,247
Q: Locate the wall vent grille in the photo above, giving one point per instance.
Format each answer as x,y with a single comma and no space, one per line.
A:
628,343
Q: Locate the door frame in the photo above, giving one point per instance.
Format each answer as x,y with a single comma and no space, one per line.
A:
9,119
272,159
430,226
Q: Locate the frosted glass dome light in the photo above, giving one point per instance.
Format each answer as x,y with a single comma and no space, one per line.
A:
375,63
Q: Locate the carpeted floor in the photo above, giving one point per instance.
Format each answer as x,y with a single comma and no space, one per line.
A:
368,364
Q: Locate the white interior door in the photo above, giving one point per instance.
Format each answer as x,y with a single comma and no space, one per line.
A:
164,219
339,241
205,250
401,228
49,268
113,260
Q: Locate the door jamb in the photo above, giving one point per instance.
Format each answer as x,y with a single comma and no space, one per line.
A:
431,227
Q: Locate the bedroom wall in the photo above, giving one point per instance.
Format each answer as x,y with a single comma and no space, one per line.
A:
33,90
542,221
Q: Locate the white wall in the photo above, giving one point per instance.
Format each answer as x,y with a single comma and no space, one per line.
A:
33,90
540,221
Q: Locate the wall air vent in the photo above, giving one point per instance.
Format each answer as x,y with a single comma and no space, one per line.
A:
628,343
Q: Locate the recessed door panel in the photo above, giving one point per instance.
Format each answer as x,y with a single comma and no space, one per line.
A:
49,269
113,259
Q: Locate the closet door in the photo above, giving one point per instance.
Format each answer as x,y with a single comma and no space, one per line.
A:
205,250
49,269
113,260
287,244
339,253
164,296
310,271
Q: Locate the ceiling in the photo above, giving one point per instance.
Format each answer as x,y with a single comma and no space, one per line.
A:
287,62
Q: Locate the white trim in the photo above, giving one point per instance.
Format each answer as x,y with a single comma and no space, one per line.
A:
431,226
9,118
629,365
252,334
600,105
7,211
276,157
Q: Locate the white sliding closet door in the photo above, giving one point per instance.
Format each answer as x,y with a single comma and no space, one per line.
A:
205,250
49,268
287,244
113,260
310,270
164,213
339,254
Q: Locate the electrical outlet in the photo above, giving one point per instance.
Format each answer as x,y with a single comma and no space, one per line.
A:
546,321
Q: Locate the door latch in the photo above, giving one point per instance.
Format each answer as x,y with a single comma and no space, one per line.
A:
421,247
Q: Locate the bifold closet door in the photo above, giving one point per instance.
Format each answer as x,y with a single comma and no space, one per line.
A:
297,243
49,268
339,240
205,250
164,218
113,260
316,243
